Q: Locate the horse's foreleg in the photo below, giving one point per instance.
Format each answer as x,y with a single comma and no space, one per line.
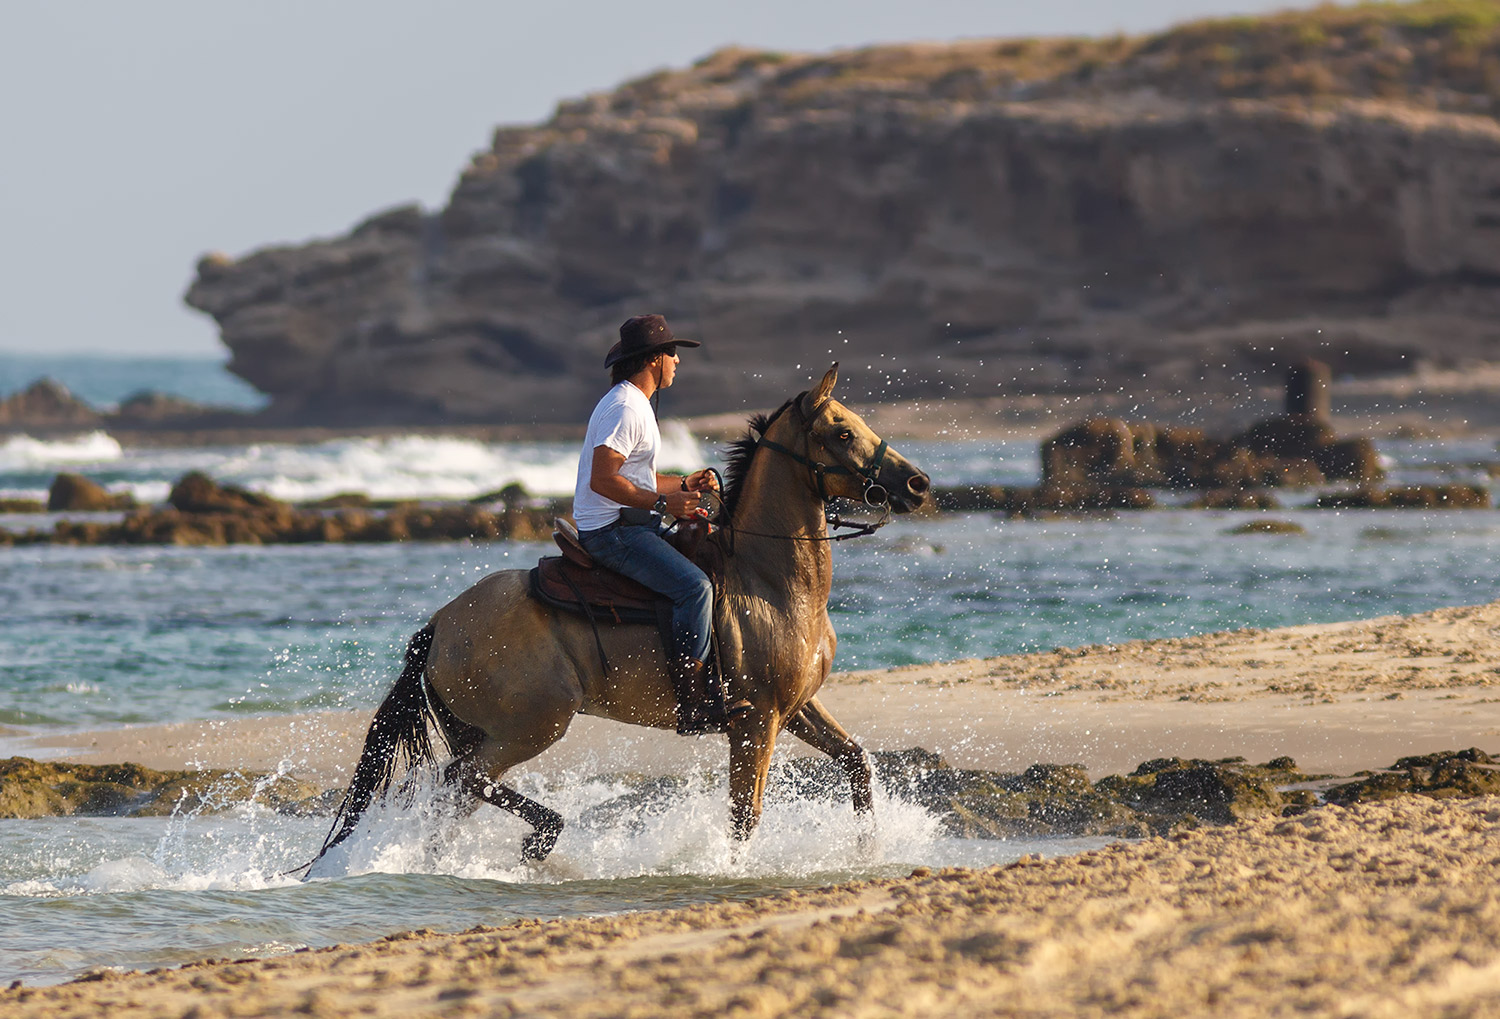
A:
817,728
751,741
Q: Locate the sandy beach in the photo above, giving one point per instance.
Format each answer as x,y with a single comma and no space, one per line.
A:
1376,909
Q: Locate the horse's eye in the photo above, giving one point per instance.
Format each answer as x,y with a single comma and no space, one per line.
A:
845,435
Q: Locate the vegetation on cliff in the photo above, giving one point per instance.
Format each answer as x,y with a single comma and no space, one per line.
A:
1436,54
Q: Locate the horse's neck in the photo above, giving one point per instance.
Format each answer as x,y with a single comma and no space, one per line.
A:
779,500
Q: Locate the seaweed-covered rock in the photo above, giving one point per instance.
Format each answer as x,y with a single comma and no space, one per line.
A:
1444,775
1454,496
1044,799
1218,792
22,506
969,498
1268,527
204,512
196,492
1071,496
216,790
30,788
1052,497
74,492
1235,499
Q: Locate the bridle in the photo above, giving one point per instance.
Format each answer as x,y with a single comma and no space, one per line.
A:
876,496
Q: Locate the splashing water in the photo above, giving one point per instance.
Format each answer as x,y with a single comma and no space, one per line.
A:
134,892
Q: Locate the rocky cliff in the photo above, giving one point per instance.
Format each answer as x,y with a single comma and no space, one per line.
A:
974,218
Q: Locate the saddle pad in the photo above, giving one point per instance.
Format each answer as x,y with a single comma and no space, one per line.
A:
615,598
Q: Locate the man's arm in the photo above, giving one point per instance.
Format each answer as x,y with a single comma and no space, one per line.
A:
605,478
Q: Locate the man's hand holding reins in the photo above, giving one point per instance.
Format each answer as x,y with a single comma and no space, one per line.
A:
681,494
680,503
704,480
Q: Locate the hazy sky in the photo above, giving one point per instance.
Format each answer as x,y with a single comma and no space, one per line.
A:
136,136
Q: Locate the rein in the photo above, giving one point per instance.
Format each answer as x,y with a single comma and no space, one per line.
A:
821,470
875,494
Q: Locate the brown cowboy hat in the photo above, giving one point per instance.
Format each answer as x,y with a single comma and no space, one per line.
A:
644,334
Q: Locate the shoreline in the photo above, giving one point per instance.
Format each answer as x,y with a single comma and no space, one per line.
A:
1337,697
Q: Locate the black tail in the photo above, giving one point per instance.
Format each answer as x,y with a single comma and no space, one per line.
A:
399,739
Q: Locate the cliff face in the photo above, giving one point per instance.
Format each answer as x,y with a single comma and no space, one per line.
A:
928,212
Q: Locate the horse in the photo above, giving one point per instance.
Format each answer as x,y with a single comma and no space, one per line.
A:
500,676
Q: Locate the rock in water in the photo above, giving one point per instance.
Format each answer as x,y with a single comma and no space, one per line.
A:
149,407
196,492
77,493
46,404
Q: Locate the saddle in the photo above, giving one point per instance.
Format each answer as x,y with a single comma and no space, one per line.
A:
574,583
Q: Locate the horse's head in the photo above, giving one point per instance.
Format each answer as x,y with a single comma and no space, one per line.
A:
849,460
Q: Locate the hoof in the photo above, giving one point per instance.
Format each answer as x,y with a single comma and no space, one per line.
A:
538,845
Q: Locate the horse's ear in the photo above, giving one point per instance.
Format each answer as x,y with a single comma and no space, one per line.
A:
813,401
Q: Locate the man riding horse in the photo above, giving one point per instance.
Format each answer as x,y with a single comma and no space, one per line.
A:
499,673
619,503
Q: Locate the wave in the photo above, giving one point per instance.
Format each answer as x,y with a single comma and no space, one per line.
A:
396,467
419,466
24,453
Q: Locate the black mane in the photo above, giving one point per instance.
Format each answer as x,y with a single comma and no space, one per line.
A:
737,461
739,454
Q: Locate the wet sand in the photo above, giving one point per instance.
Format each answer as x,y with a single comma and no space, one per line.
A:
1384,909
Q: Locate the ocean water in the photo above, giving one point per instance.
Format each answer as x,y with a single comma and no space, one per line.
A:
100,637
103,381
111,636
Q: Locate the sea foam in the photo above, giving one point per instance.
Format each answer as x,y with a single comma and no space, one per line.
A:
414,466
24,453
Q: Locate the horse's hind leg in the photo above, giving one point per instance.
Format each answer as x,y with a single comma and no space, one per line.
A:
816,727
477,775
547,824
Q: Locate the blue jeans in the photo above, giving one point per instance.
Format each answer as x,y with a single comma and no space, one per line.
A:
646,558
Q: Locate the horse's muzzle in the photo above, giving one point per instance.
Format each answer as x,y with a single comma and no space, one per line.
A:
912,494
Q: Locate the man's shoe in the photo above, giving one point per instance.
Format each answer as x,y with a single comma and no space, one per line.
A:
699,712
707,717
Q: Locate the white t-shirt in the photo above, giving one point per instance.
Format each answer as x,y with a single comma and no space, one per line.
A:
625,422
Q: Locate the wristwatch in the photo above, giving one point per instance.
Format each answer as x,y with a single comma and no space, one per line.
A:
661,505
